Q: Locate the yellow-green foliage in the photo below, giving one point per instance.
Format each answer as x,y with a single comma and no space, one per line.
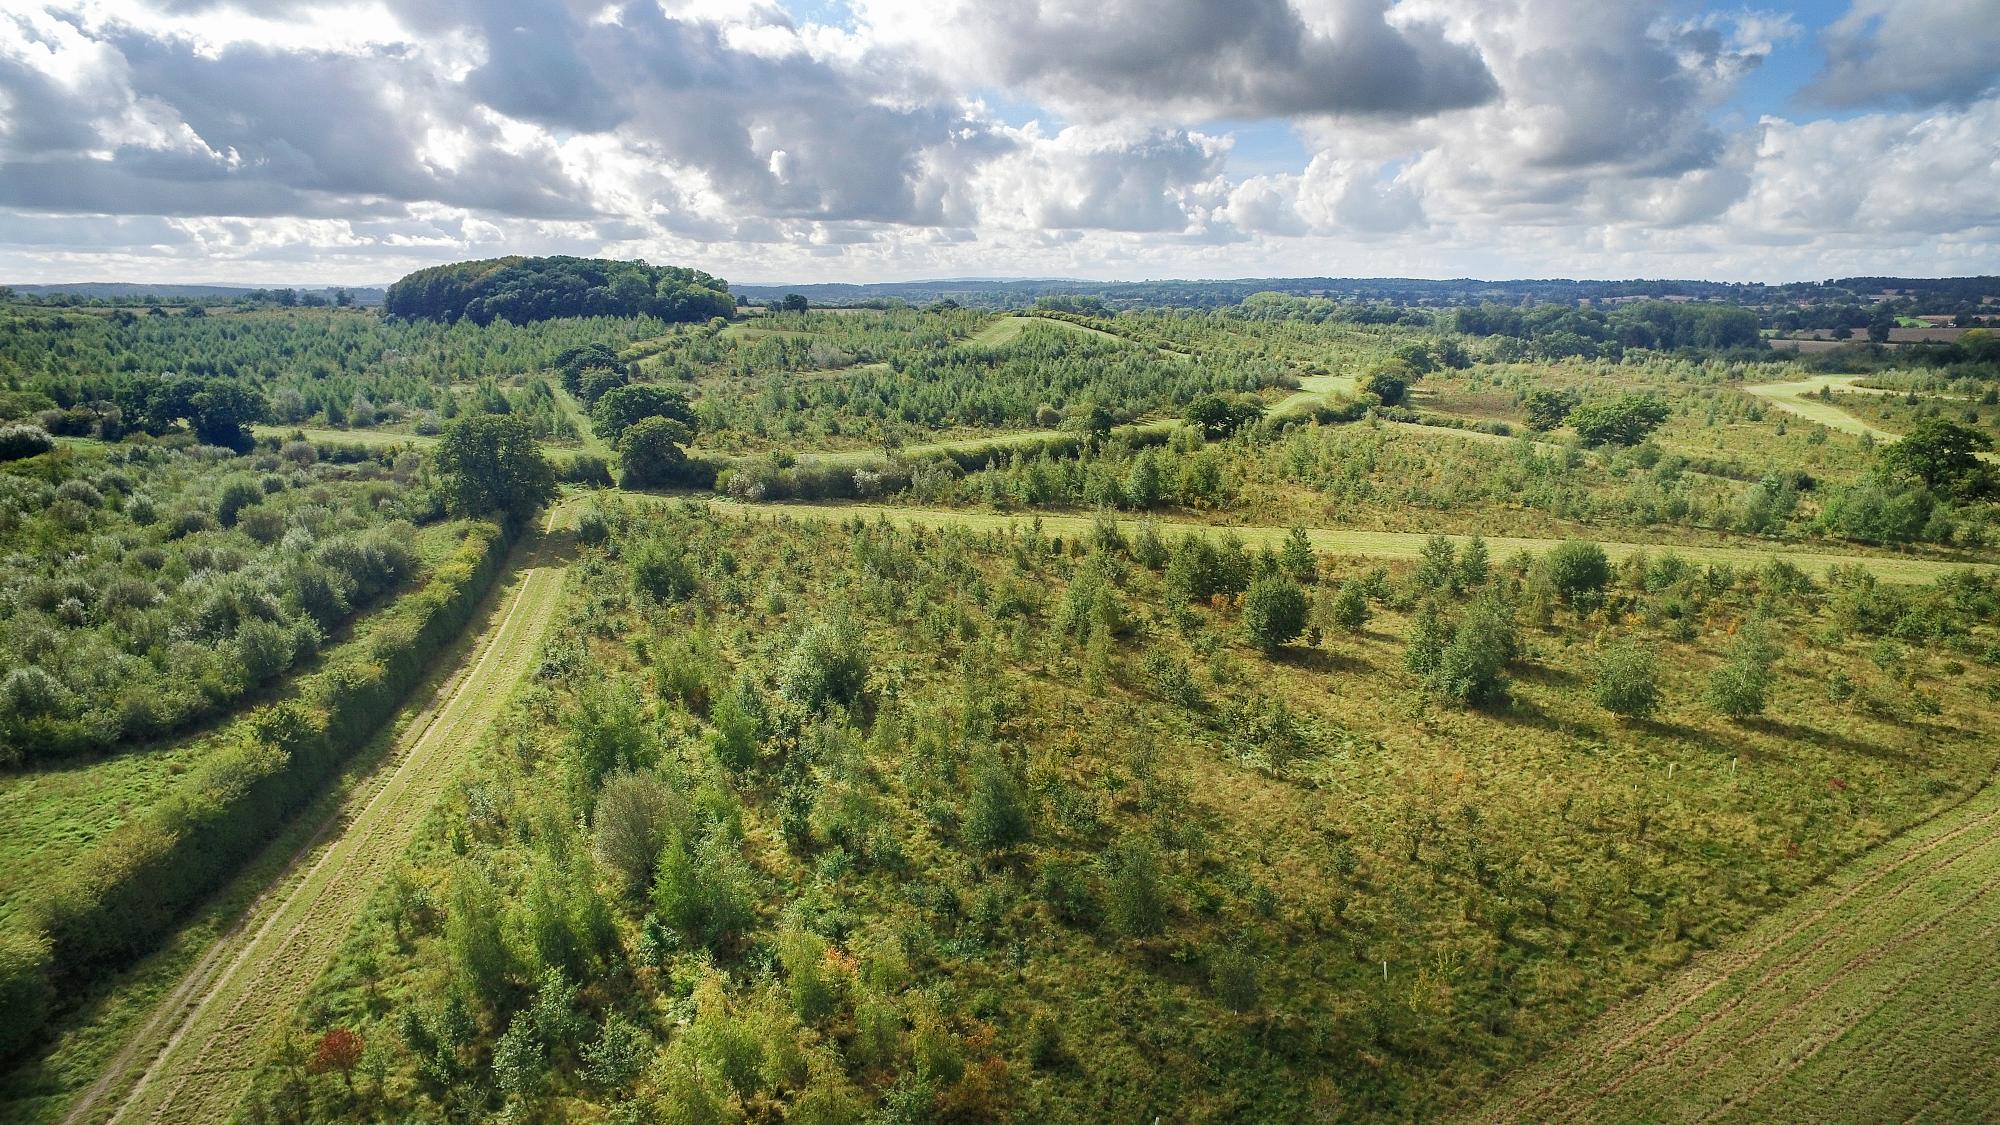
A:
1032,871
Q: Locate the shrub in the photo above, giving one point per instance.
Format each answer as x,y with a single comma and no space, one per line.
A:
1233,975
1274,612
650,452
1625,420
1138,903
827,665
22,441
636,814
1627,681
1348,608
1577,570
263,649
238,493
996,813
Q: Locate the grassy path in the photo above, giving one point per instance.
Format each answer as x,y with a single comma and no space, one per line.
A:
191,1059
1875,997
573,410
1794,398
1378,544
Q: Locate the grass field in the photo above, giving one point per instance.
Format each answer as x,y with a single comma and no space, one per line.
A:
185,1062
1793,398
1377,544
1875,997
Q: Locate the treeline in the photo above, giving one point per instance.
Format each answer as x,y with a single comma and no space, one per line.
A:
264,767
1564,331
521,290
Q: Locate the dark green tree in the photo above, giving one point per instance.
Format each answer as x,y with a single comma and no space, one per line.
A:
651,453
492,466
1274,612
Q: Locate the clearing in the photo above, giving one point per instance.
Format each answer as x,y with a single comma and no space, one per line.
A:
1795,398
1874,997
191,1060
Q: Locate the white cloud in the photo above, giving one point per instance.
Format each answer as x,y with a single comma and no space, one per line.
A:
358,138
1911,52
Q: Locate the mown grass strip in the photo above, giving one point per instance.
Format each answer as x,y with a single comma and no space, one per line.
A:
197,1051
1376,544
1874,997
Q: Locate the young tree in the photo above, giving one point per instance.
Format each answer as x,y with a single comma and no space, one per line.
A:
1740,687
492,466
1437,567
1626,681
997,813
1296,557
1475,564
1577,570
1274,612
1348,608
828,664
337,1052
1138,904
650,452
636,814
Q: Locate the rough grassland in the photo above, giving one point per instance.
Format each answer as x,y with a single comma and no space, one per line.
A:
1792,398
1377,544
192,1058
1875,997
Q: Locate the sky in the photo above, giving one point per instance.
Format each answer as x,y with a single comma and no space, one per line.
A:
342,142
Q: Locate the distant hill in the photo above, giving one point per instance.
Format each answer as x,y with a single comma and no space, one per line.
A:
139,290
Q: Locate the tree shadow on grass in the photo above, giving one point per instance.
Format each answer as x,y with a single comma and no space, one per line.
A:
1832,741
1320,660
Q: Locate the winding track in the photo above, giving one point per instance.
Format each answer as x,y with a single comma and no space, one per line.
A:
192,1059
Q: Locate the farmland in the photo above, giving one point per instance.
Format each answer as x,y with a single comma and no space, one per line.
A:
1286,708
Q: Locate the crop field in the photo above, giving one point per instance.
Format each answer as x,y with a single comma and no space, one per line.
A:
574,694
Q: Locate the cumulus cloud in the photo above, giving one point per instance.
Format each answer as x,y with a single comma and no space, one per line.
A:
1199,58
1910,52
365,137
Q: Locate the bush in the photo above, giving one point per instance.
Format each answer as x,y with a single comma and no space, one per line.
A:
22,441
1274,612
996,813
1740,687
1577,570
1138,906
1348,608
263,649
827,665
650,453
1627,681
1625,420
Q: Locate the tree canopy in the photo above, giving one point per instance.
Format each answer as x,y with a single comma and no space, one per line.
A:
491,465
521,290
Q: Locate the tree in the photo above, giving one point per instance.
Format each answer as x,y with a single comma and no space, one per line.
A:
650,452
1625,420
1943,456
1348,610
19,440
1547,408
828,665
1470,670
635,816
1740,686
222,410
1626,681
1296,557
1138,904
491,465
1143,485
996,813
795,303
1389,381
1437,567
1091,419
1474,564
1577,570
337,1052
1274,612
